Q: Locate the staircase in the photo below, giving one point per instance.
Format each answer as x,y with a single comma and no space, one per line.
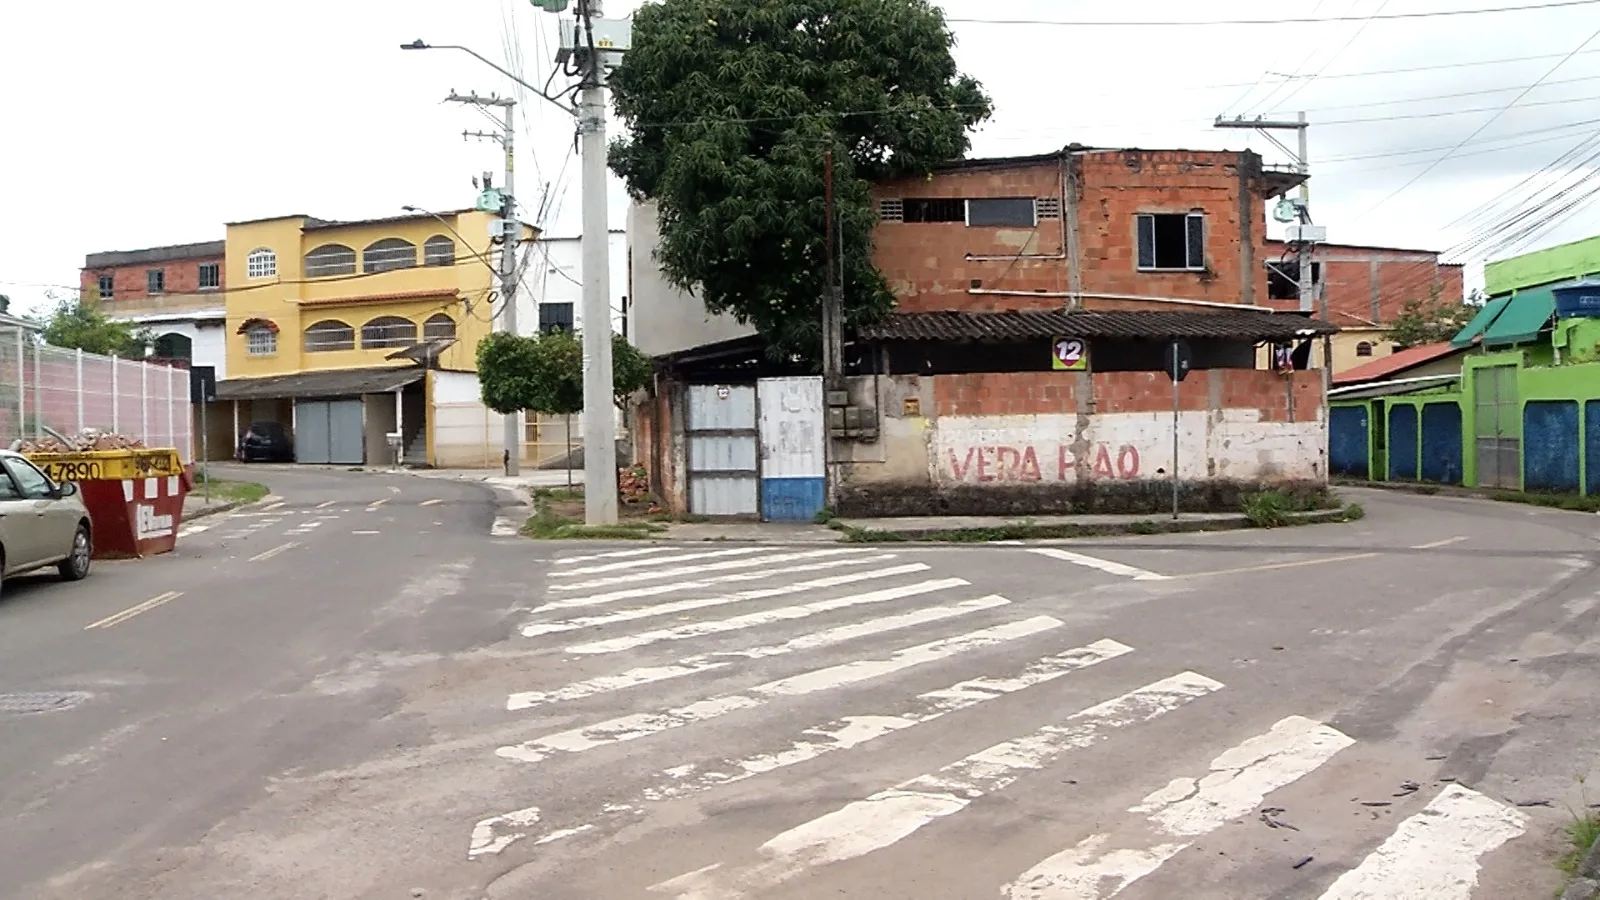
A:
415,454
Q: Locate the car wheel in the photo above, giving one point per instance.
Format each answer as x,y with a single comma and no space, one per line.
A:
76,566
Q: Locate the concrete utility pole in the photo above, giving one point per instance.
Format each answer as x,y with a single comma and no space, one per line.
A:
511,236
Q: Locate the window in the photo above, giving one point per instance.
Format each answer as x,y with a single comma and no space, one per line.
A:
1364,348
1283,278
387,254
555,317
260,340
439,327
1001,212
1172,241
388,331
439,251
107,286
35,484
155,281
979,212
330,259
328,335
210,276
932,209
261,263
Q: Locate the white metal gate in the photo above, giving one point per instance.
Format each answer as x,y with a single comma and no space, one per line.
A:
329,431
722,450
792,453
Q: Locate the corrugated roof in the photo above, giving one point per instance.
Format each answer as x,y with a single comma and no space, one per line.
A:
1523,318
1395,363
332,383
112,258
1162,325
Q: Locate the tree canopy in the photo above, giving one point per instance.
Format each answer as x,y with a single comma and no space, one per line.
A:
545,373
1430,321
729,106
80,324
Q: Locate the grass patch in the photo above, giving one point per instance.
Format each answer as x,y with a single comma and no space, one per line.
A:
824,516
1570,502
1354,513
229,491
559,493
1582,833
1030,531
547,524
1267,509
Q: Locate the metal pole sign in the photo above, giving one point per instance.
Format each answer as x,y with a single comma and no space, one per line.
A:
1177,366
203,390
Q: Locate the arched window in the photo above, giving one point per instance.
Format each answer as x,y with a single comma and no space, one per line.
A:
260,337
330,259
388,331
439,327
328,335
439,250
1364,348
389,253
261,263
174,346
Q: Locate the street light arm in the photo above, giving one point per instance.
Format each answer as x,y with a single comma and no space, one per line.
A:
422,45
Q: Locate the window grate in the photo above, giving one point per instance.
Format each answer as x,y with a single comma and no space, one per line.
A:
1048,207
210,276
891,210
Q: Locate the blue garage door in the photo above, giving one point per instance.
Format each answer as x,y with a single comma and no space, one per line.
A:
1402,442
1550,445
1348,441
1441,443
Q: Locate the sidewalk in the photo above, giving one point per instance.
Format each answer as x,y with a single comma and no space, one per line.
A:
529,479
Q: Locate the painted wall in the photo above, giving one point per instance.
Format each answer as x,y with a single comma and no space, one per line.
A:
1559,263
465,434
555,275
1041,442
666,319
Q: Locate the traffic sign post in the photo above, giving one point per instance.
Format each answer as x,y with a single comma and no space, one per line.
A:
1177,364
203,390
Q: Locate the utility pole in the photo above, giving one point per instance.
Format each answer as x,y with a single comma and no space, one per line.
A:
599,424
1301,234
832,330
510,237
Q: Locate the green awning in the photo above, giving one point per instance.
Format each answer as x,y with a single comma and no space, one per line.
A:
1480,322
1525,316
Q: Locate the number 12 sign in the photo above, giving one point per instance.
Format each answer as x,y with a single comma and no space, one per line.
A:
1069,355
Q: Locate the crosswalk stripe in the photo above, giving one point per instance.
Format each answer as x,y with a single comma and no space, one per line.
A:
1100,866
627,728
888,816
656,561
706,662
535,629
765,617
1110,567
819,740
615,554
1434,853
725,565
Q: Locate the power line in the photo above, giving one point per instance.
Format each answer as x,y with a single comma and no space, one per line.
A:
1430,97
1190,23
1336,54
1515,134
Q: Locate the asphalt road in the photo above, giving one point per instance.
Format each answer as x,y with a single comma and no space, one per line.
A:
360,693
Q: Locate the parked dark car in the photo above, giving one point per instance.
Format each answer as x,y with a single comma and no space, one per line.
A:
265,442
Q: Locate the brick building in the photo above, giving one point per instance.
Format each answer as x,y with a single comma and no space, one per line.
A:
1364,288
176,291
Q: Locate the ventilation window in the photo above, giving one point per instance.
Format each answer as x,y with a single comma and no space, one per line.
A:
891,210
1048,207
1364,348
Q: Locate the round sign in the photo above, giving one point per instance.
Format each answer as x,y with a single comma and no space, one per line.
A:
1069,353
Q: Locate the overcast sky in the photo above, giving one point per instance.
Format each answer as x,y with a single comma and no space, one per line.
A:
136,124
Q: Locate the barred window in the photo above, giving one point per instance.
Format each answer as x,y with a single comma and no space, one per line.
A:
387,254
388,331
329,335
330,259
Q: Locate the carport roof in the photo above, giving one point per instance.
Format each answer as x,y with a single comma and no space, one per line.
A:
335,383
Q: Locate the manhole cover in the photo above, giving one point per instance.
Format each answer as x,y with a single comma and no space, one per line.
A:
40,701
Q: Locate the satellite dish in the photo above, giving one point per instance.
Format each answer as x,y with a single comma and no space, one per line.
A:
1286,211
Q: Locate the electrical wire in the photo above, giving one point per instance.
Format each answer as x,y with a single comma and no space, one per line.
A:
1190,23
1336,54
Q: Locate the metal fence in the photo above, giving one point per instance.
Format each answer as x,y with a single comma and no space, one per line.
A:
69,391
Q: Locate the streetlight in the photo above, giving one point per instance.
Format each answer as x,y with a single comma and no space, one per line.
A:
420,44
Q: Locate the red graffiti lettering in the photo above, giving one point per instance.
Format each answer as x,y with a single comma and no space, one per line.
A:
1006,461
1028,470
1102,463
960,469
1128,461
984,454
1066,466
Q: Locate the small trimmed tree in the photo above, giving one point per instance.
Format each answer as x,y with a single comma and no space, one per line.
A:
1430,321
80,324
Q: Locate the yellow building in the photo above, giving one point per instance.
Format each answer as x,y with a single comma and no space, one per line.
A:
339,331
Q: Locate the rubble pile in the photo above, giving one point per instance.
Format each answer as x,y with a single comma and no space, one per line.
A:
633,484
88,441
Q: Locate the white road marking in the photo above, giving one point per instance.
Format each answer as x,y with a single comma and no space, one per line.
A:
676,586
363,532
765,617
536,629
1094,562
271,506
1434,853
260,557
725,565
505,526
1101,866
1437,544
376,503
496,834
434,502
188,530
130,612
853,731
326,503
886,817
393,489
615,554
655,561
706,662
627,728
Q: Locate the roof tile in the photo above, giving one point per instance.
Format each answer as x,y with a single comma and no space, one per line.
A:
1158,325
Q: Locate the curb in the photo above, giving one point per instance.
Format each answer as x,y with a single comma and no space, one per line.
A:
1014,532
213,510
1585,885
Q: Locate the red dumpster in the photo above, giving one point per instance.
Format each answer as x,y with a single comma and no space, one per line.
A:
134,497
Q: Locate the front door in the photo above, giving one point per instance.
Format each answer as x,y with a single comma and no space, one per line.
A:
723,450
1497,427
792,448
329,431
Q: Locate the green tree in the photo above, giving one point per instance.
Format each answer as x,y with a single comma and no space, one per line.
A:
79,324
1430,321
730,105
544,374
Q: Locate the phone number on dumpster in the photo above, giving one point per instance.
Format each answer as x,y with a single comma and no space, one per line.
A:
61,472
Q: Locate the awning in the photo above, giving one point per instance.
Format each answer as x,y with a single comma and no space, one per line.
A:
1524,317
1480,322
333,383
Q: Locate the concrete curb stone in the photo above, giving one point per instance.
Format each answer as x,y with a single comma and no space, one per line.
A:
1585,884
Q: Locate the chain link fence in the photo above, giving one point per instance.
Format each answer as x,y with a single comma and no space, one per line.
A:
69,391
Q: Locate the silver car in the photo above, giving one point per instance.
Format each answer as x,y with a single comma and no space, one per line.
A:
41,523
